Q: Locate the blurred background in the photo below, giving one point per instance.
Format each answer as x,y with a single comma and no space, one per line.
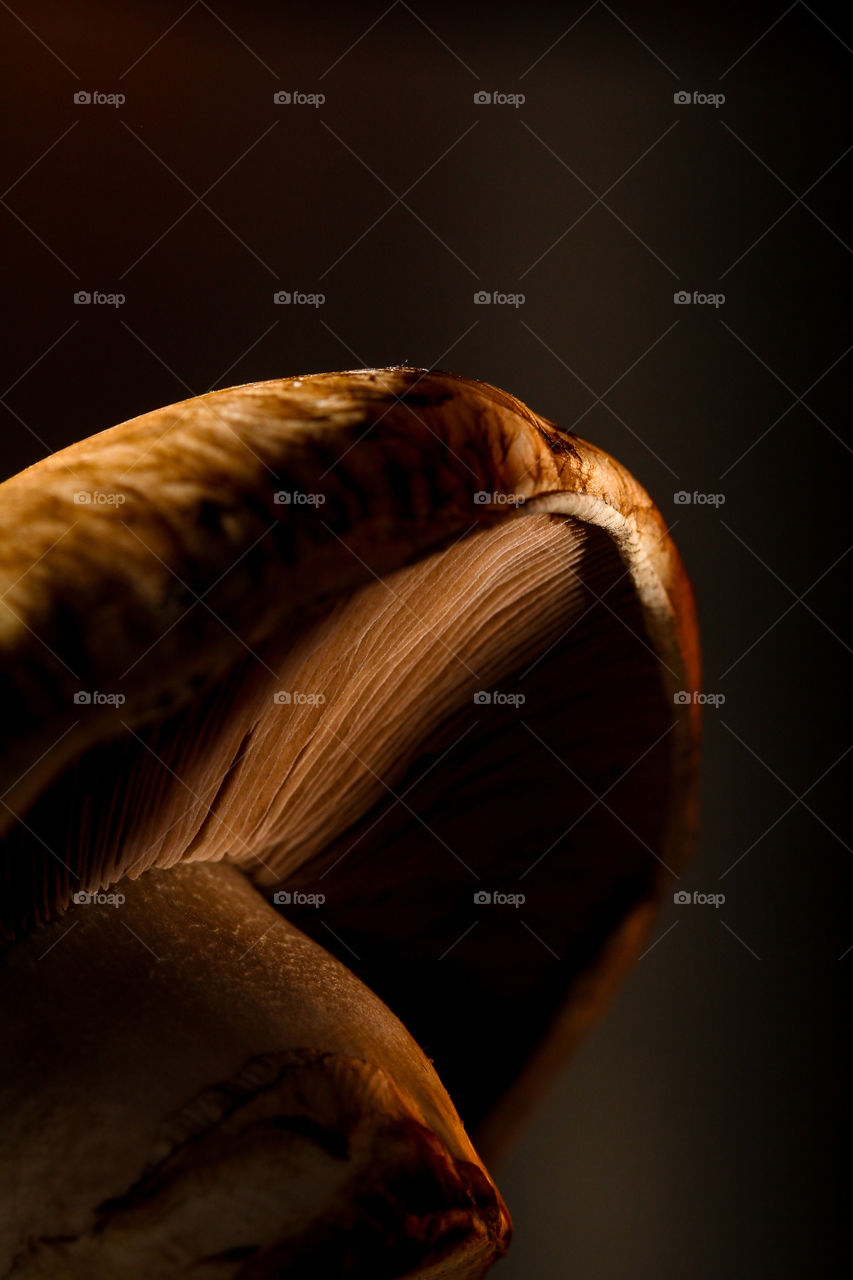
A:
582,165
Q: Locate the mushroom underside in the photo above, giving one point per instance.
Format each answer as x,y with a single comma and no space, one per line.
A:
491,720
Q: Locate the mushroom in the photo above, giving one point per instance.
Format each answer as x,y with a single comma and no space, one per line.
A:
379,664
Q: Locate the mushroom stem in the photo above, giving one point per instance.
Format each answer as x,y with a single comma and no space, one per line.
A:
193,1042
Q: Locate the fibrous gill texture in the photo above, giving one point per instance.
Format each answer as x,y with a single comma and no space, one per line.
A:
316,727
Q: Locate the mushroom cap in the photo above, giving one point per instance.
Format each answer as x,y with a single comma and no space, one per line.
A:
156,570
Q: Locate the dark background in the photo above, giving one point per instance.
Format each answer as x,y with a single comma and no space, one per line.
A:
699,1130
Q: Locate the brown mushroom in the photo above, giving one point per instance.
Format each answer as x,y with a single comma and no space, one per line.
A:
385,638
